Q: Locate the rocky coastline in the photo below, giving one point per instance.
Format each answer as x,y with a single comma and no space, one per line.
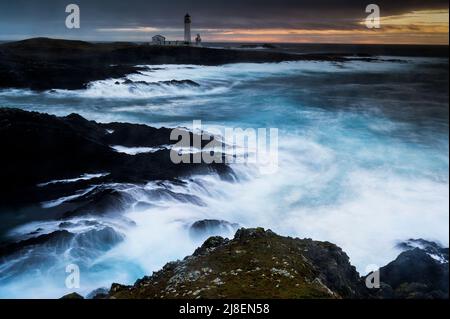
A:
45,64
73,159
259,264
51,157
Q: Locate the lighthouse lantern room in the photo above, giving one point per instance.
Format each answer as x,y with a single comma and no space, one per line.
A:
187,29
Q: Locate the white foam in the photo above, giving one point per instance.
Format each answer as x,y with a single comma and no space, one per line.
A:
364,211
342,178
83,177
135,150
439,259
59,201
213,80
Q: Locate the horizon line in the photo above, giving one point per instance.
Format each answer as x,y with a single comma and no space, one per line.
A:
230,41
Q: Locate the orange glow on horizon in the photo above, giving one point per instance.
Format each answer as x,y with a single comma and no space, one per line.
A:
415,27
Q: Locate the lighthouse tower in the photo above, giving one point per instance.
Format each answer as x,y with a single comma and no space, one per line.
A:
187,29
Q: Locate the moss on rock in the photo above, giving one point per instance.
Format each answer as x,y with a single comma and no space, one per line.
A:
255,264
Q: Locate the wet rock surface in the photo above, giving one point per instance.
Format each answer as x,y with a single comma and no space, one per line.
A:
254,264
53,239
61,168
45,64
170,83
43,148
260,264
72,296
420,272
210,227
92,243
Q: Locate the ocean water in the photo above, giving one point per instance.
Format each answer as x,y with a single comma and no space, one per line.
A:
363,163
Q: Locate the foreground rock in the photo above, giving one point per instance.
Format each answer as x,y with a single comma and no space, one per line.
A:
44,64
421,271
260,264
255,264
72,296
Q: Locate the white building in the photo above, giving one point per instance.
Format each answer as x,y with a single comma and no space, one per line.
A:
187,29
158,40
161,40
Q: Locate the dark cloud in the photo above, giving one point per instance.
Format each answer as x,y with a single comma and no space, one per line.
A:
46,17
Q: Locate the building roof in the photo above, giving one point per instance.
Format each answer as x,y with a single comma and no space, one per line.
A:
158,36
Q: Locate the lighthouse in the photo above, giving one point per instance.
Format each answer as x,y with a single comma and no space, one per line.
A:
187,29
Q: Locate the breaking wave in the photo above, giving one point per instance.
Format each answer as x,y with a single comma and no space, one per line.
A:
363,164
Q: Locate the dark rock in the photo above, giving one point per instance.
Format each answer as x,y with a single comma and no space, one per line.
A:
415,274
255,264
100,293
43,148
73,296
58,239
37,231
435,250
117,287
80,223
136,135
420,272
66,225
100,201
260,264
335,268
244,234
210,227
209,245
384,292
171,82
90,242
44,64
182,82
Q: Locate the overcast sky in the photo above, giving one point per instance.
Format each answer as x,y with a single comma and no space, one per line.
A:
407,21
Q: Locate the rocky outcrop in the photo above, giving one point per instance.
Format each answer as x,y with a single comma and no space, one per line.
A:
160,83
72,296
254,264
62,168
100,293
45,64
53,239
209,227
43,148
420,272
90,243
260,264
